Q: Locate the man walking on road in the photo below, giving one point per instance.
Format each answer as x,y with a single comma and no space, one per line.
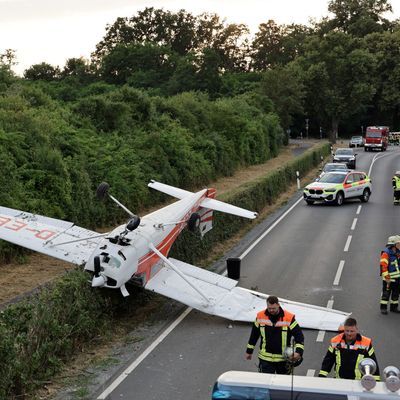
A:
276,327
346,351
390,275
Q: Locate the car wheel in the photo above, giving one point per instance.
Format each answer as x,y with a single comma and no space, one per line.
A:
310,202
339,199
365,196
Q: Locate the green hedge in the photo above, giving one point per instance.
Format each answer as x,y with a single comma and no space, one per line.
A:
39,334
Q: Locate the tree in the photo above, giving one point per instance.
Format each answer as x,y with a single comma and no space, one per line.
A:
358,17
78,67
182,32
284,86
42,71
232,47
7,61
385,49
143,65
277,45
339,77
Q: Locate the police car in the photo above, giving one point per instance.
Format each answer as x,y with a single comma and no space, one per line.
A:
335,187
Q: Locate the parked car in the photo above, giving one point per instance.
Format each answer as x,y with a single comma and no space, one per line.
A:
344,155
330,167
335,187
356,141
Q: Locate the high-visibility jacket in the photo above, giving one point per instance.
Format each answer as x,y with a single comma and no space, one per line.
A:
396,182
276,332
347,356
389,264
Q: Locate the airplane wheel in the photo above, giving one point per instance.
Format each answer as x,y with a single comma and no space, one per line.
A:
102,190
193,222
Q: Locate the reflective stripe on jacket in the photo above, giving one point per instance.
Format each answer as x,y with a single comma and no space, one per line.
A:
276,333
389,264
396,183
347,357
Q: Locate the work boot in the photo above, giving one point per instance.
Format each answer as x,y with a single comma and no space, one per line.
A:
384,311
395,310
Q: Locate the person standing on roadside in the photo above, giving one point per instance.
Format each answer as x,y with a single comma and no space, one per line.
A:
396,187
276,327
390,272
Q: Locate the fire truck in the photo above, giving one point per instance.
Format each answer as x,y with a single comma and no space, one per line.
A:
376,137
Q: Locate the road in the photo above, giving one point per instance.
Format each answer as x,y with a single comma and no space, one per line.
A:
299,259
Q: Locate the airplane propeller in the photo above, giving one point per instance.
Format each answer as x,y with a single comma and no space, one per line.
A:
102,192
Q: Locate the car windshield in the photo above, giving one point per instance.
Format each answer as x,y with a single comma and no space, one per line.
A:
332,178
344,152
374,134
356,138
334,167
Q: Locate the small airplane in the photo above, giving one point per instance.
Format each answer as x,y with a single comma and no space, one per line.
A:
137,252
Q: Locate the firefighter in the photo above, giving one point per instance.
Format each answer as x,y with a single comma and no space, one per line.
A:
396,187
346,351
276,327
390,272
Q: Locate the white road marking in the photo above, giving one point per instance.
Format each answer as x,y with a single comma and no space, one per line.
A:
135,363
254,244
311,372
347,245
353,225
321,334
375,159
338,273
359,210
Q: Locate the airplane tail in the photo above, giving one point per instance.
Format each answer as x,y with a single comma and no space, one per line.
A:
208,203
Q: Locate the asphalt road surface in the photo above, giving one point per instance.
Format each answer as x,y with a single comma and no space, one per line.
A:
298,260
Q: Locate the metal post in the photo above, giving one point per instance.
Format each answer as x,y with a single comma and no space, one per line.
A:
298,180
320,132
307,127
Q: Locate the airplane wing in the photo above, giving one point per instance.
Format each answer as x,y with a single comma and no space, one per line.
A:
208,202
225,299
54,237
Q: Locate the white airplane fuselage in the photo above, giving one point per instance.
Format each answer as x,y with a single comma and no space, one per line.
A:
126,254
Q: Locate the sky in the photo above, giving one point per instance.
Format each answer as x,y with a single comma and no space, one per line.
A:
54,30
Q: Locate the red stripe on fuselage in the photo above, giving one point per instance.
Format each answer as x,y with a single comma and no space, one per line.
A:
150,259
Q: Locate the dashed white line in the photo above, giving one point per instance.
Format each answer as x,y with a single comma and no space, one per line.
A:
338,273
347,245
311,372
321,334
359,210
353,225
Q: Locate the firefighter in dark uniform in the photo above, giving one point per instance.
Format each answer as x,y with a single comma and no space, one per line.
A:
390,272
346,351
396,187
276,327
